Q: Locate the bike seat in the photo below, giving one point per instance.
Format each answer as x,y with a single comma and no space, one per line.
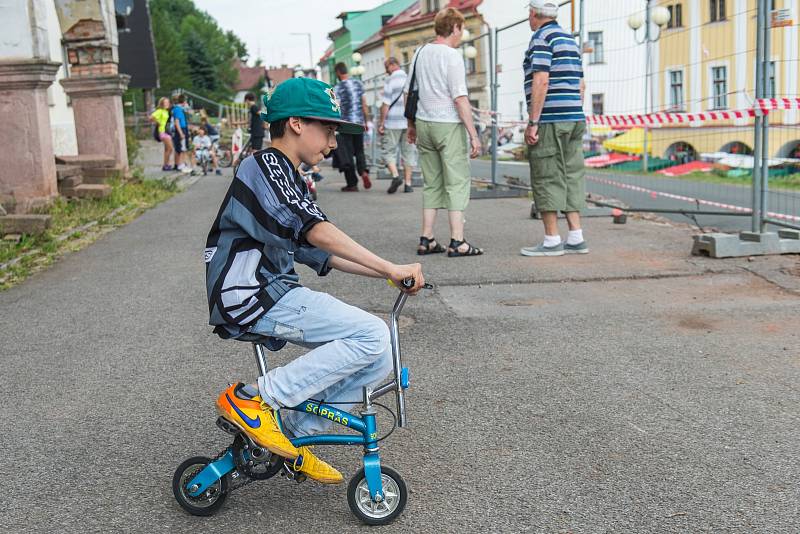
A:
272,343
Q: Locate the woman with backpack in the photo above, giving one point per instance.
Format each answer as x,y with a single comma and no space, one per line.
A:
161,129
439,121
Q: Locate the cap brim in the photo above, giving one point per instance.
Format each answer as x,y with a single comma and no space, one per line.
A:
345,127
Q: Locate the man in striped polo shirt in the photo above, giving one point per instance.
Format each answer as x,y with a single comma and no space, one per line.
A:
554,89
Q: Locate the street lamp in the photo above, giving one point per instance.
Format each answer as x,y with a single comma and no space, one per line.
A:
357,69
310,51
660,16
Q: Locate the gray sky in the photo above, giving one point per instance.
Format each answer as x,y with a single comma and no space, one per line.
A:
266,25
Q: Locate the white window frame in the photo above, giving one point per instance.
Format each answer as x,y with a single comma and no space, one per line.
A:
711,95
682,106
593,60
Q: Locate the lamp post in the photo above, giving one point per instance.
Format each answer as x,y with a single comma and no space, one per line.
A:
660,16
357,69
310,51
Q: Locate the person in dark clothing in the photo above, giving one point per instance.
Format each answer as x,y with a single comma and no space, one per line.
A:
256,124
350,95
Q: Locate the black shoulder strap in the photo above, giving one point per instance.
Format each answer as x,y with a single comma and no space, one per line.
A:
414,70
396,99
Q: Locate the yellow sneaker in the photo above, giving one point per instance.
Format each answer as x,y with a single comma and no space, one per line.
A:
257,419
315,468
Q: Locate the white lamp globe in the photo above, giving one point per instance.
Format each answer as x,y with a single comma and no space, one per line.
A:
354,71
636,21
361,70
660,15
357,57
471,52
465,35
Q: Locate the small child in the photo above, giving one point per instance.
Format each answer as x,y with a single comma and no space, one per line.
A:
266,224
202,144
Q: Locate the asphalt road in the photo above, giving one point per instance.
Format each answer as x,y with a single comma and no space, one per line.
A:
612,185
635,389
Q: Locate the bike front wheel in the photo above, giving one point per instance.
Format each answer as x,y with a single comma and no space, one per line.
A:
370,512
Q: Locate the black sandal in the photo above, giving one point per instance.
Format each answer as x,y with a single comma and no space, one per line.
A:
425,243
453,251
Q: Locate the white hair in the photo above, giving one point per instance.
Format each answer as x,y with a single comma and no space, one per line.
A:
544,8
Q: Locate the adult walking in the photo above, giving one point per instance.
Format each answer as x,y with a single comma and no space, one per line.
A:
443,120
160,117
350,94
554,89
392,126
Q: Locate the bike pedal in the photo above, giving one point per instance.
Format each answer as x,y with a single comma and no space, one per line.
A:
227,426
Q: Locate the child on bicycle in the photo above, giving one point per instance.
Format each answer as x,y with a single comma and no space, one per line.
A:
266,224
201,147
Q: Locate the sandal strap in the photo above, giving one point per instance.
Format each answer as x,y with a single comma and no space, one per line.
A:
471,251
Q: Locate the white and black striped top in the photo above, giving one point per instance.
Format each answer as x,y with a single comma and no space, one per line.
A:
257,236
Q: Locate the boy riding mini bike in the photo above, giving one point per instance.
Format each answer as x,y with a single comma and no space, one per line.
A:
266,223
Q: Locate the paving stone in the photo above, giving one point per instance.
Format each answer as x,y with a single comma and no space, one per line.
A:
86,161
88,191
24,224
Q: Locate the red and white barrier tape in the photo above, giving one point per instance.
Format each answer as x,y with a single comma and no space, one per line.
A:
656,194
778,103
660,119
657,119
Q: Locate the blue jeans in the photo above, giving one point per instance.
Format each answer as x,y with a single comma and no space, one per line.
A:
350,349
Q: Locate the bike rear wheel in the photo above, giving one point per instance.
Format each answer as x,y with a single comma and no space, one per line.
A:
224,156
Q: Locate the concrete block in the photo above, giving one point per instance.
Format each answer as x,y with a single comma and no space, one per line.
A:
66,171
746,244
87,161
96,191
100,175
69,183
24,224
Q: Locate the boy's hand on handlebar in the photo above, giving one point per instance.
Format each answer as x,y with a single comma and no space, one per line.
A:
403,272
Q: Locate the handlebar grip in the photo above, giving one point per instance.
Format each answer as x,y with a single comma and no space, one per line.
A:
408,283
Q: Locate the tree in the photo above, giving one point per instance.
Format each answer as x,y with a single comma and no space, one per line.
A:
204,80
238,45
173,71
197,54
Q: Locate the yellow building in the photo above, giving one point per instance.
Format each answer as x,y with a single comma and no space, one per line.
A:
413,27
705,60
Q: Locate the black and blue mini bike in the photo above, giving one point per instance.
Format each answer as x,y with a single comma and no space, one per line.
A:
376,494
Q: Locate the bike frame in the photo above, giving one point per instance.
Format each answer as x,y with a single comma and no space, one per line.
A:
364,424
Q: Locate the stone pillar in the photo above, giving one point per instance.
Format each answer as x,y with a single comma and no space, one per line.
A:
99,123
28,176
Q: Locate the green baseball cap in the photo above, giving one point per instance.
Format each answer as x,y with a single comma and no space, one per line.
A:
309,99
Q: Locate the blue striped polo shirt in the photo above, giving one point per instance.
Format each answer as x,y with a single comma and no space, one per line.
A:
554,50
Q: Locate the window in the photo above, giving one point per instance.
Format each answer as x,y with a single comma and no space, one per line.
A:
719,77
472,66
717,10
405,59
597,104
771,80
675,16
431,6
596,42
675,90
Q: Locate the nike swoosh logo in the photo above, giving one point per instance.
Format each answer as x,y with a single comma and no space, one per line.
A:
252,423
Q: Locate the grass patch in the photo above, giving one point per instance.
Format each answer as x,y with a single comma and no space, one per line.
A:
77,223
